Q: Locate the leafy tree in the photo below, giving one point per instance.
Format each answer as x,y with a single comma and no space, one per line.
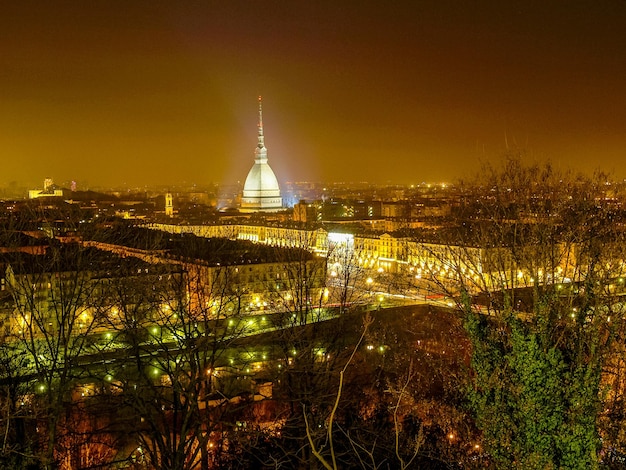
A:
549,273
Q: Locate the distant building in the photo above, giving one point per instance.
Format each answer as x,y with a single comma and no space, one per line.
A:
307,212
169,205
49,190
261,192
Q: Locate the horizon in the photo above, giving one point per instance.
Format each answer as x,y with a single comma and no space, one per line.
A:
154,93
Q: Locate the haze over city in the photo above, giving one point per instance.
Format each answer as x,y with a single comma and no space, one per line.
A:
155,92
304,235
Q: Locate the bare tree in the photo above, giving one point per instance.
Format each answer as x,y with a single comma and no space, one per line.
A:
55,302
183,330
541,251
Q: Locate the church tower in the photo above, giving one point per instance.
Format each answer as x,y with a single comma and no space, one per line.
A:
261,192
169,205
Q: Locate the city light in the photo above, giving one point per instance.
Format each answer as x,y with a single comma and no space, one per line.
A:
412,232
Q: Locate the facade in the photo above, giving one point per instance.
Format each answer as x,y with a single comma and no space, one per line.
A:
40,297
49,190
49,295
315,240
248,283
337,210
492,266
261,192
169,205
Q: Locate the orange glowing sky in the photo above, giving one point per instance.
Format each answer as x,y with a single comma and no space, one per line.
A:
164,92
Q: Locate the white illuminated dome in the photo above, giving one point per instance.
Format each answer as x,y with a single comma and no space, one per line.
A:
261,182
261,191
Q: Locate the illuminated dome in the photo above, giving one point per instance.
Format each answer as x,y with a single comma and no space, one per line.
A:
261,191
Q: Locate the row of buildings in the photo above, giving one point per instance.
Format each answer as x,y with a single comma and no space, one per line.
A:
404,256
91,282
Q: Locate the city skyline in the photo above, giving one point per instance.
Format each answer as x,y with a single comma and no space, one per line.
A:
148,93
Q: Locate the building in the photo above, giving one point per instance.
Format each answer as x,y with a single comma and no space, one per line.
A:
169,205
261,192
229,276
49,190
439,260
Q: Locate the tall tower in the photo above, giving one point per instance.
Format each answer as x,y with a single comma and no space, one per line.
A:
47,184
261,192
169,205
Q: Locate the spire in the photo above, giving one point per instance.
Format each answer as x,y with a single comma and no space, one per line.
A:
261,191
260,125
260,151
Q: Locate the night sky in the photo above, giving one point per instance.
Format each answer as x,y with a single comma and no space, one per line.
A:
165,92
